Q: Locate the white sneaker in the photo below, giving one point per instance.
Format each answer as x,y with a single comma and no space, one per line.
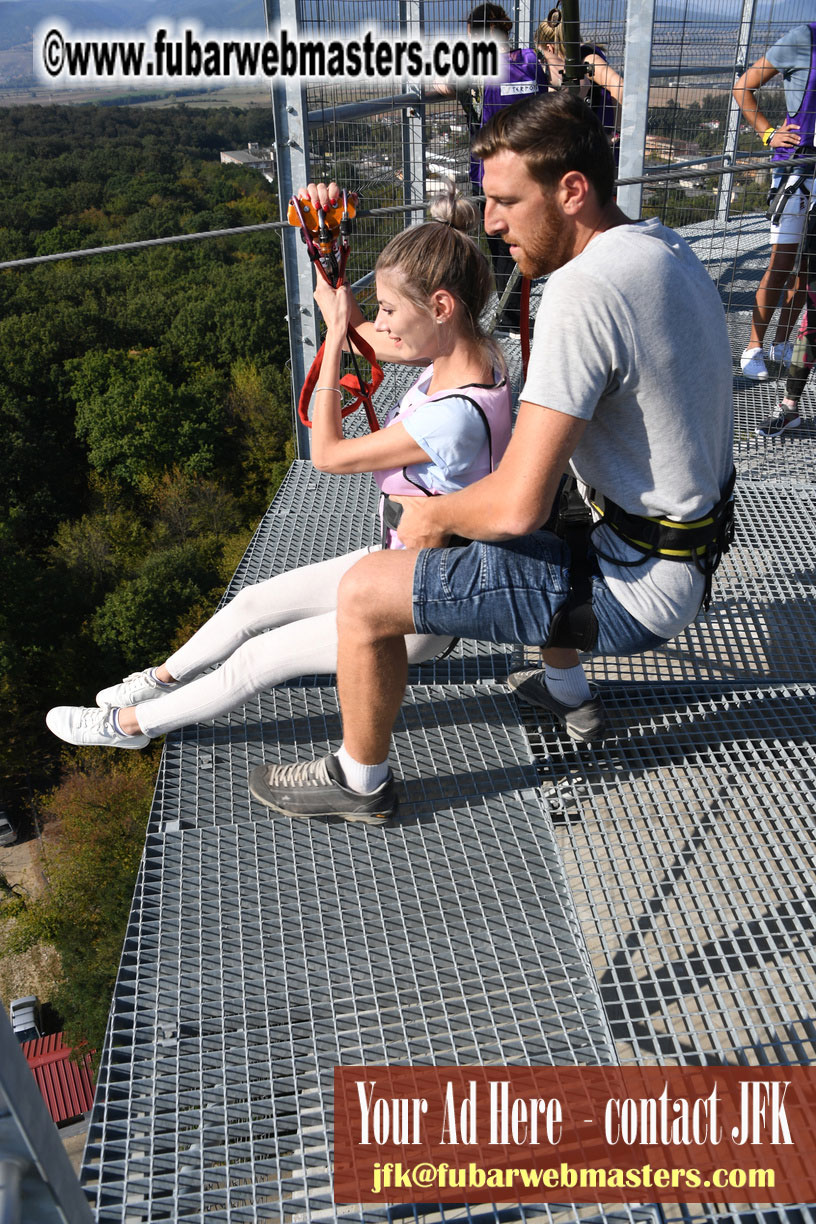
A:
138,686
782,352
752,364
89,725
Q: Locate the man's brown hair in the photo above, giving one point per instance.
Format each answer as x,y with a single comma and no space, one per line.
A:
489,16
554,133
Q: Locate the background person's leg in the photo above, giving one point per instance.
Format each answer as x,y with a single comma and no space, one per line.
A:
775,278
786,414
804,350
782,274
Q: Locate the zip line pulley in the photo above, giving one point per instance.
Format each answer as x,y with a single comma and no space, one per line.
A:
325,233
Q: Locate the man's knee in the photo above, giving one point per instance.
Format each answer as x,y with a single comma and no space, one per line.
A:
375,596
358,592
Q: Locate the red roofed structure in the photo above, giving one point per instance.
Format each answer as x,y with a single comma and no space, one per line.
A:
66,1086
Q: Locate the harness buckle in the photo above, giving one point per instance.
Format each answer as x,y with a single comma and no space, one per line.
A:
793,178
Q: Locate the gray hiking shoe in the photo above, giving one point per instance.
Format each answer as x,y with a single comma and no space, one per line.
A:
317,788
586,722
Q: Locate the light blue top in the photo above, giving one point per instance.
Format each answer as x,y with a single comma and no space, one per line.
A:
453,433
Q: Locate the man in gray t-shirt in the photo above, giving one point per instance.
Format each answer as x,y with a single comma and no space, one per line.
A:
630,383
612,338
793,57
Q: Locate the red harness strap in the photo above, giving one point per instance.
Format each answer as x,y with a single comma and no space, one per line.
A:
324,258
525,323
353,383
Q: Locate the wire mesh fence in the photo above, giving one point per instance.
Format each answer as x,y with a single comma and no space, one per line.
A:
397,144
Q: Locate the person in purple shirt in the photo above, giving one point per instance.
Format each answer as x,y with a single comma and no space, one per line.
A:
794,56
523,75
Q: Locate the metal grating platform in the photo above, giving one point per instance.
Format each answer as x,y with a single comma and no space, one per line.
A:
650,900
688,840
263,951
682,1214
450,743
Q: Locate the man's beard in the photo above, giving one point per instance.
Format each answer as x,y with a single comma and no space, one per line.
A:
550,249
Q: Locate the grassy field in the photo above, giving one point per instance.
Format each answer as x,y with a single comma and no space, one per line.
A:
18,88
38,95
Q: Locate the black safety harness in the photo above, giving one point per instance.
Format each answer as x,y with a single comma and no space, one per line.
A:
705,541
796,175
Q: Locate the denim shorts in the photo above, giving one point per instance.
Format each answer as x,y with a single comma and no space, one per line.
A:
510,591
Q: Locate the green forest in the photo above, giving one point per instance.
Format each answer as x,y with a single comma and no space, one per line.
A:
146,423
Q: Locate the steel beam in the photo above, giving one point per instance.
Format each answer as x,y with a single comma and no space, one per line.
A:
635,111
734,113
412,22
37,1183
292,153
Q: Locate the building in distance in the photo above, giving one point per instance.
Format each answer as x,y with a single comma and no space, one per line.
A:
255,156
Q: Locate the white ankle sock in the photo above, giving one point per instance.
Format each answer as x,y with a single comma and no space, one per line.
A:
568,685
363,779
117,723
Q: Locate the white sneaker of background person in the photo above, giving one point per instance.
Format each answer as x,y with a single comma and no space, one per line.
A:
782,352
752,364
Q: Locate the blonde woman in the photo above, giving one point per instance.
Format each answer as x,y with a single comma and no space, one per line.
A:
449,430
601,87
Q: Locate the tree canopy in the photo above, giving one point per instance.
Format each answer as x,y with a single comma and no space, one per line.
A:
146,423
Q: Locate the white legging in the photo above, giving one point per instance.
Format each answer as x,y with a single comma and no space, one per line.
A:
269,633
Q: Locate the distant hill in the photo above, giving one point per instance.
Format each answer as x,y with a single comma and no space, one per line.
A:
19,18
782,13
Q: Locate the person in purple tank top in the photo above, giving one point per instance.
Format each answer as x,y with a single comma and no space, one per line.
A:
794,56
601,86
449,430
523,76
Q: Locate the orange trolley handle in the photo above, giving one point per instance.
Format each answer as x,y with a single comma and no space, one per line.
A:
320,230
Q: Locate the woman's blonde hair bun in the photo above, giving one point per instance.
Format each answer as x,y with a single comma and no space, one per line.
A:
453,209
